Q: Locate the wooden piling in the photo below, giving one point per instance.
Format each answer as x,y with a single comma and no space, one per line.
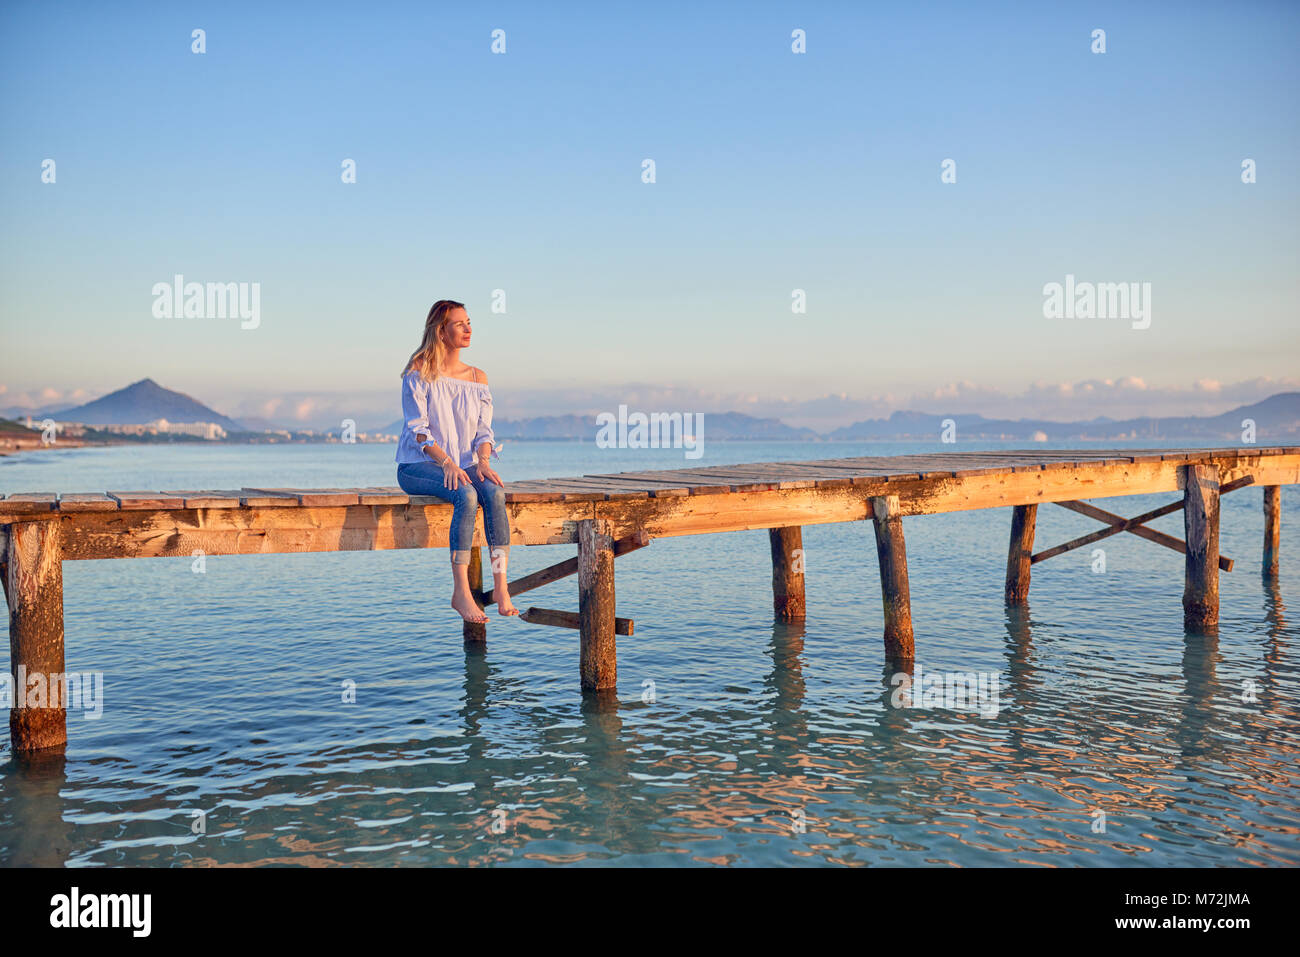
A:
1272,528
895,594
475,632
1201,522
4,563
1020,555
33,560
598,660
787,572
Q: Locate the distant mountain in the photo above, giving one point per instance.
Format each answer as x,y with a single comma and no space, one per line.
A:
717,425
1277,419
144,401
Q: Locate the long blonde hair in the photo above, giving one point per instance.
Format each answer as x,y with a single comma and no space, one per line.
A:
428,358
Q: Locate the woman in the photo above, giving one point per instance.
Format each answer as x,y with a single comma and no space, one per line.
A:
445,447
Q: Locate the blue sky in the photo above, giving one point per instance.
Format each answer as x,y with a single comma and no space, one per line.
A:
775,172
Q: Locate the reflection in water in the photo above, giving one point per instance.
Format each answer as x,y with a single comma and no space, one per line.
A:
32,811
1275,616
805,770
812,766
1195,734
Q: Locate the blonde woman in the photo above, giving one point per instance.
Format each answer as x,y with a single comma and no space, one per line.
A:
445,447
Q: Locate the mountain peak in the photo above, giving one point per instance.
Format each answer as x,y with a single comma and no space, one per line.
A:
145,401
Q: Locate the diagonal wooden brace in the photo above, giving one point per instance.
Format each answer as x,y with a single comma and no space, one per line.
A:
544,576
1135,526
571,619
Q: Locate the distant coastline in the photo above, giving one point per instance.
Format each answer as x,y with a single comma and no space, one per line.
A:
147,413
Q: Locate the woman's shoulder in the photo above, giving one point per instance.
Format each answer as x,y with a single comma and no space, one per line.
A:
476,376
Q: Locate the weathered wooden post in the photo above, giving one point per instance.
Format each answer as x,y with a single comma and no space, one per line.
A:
1201,522
787,572
33,559
4,563
1021,553
897,598
1272,528
598,660
475,632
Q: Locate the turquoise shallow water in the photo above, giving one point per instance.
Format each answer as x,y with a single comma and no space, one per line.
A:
761,743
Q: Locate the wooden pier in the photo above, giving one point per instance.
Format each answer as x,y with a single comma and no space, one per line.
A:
608,515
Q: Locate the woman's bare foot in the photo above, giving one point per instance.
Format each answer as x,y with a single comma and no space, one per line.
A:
505,607
466,608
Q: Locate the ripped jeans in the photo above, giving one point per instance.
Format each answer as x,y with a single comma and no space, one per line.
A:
425,478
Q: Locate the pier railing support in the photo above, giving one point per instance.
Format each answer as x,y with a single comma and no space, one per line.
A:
1020,555
1272,528
33,561
598,659
472,632
895,594
787,572
1201,522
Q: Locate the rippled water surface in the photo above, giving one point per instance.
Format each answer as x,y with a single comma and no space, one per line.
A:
735,739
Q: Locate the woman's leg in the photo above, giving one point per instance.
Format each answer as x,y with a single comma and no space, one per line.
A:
421,478
496,524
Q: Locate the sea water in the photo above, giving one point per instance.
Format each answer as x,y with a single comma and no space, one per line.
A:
228,735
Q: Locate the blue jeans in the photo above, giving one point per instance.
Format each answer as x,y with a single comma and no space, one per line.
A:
425,478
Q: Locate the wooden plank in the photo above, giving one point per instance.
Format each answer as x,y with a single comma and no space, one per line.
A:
819,476
87,502
146,500
571,619
369,495
208,498
249,498
312,497
532,498
722,484
28,503
383,495
653,488
693,485
758,473
597,489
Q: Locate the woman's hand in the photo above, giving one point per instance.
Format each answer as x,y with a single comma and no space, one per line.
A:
486,474
453,475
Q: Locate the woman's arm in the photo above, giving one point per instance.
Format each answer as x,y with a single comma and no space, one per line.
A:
415,409
484,438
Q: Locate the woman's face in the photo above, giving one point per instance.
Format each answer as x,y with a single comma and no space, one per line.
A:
456,330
